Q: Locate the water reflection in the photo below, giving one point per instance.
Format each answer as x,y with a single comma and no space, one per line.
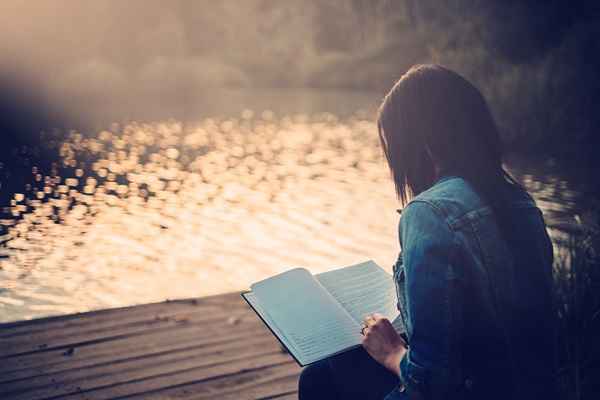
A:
563,187
142,212
147,211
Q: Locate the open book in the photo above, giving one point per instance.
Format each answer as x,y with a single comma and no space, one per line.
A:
317,316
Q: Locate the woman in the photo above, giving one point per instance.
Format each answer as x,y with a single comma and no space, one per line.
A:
473,279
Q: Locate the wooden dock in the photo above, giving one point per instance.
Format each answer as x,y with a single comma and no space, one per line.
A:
208,348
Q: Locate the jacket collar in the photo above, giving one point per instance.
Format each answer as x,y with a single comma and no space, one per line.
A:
444,176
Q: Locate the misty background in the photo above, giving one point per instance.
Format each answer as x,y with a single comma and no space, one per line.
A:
81,62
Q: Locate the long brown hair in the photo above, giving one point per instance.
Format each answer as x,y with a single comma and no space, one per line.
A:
432,116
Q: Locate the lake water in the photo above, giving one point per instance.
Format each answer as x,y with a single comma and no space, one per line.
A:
136,212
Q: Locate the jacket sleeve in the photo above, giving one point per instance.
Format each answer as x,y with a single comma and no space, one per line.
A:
431,368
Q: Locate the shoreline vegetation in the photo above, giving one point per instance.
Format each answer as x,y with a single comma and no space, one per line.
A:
577,294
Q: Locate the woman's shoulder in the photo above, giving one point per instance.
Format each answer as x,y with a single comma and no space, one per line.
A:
449,189
452,197
456,199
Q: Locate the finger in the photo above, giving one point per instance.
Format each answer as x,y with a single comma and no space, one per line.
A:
368,319
377,316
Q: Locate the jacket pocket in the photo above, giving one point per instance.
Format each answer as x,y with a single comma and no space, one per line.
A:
413,378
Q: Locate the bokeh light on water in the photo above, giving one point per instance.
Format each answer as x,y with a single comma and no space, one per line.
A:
143,212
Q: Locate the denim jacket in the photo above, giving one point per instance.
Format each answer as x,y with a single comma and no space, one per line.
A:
478,313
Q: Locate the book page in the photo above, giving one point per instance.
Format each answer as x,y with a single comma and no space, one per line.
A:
264,315
362,290
314,324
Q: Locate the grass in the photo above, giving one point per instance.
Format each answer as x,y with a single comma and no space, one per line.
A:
577,285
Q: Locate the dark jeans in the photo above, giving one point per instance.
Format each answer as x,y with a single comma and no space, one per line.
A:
350,375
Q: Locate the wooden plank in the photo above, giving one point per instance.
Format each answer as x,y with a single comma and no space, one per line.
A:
99,353
97,330
133,347
189,323
271,381
188,355
80,319
141,373
167,381
282,396
213,347
152,334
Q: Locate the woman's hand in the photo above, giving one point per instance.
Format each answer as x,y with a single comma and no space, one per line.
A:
382,342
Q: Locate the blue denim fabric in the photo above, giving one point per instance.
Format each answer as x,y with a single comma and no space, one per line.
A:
478,313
